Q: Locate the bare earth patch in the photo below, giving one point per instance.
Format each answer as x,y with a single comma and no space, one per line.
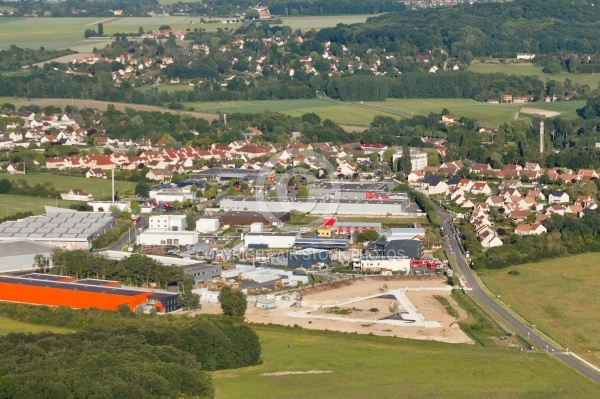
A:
280,373
419,315
543,112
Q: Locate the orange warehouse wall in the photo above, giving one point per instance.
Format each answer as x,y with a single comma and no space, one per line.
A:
72,298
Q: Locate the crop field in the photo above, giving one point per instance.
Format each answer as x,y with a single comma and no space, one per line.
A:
527,68
488,115
99,188
301,363
559,296
59,33
337,112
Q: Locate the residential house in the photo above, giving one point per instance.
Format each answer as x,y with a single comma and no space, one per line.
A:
530,230
432,185
558,197
76,194
95,172
481,188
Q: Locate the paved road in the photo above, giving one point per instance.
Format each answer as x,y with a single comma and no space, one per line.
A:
451,245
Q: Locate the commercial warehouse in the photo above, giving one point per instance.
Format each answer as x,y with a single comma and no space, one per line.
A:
270,239
316,206
63,228
19,254
50,290
245,218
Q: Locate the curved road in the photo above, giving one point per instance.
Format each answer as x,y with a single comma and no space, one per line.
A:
451,245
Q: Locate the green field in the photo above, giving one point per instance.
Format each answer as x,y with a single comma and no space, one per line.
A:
527,68
380,367
337,112
11,204
59,33
488,115
99,188
318,22
8,326
559,296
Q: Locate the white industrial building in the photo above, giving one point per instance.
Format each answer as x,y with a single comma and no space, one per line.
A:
18,254
62,228
395,206
167,238
256,227
168,223
270,239
378,264
207,225
174,195
405,233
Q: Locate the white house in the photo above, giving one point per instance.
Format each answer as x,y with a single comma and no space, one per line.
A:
76,194
381,263
173,195
530,230
558,197
481,188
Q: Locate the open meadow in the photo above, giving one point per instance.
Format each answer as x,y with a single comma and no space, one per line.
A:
488,115
8,326
99,188
337,112
527,68
11,204
559,296
351,366
60,33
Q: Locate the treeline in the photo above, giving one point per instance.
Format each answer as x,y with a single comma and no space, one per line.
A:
16,58
125,362
22,187
94,8
135,270
333,7
566,236
481,29
478,86
16,216
422,200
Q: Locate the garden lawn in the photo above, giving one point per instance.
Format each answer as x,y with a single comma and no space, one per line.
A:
559,296
365,366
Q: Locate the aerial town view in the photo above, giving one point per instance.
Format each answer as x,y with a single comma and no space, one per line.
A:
299,199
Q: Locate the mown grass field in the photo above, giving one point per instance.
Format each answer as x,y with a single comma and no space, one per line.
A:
99,188
318,22
365,366
337,112
8,326
559,296
488,115
11,204
527,68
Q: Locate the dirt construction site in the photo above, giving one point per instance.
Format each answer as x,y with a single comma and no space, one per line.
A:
400,307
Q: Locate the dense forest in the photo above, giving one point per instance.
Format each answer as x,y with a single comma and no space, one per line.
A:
119,355
482,29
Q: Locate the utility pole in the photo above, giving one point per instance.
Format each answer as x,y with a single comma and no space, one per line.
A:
541,137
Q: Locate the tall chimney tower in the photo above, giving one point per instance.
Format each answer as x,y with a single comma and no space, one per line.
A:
541,137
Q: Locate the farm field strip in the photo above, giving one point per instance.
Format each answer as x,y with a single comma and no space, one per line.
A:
99,188
559,296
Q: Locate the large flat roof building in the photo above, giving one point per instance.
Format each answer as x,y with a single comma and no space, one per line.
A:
246,218
317,206
19,254
63,228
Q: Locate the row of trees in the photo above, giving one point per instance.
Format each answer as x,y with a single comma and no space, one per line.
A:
566,236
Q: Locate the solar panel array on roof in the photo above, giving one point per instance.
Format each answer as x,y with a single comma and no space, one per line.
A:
76,225
45,277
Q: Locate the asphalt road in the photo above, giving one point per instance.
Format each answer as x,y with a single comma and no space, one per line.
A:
451,245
